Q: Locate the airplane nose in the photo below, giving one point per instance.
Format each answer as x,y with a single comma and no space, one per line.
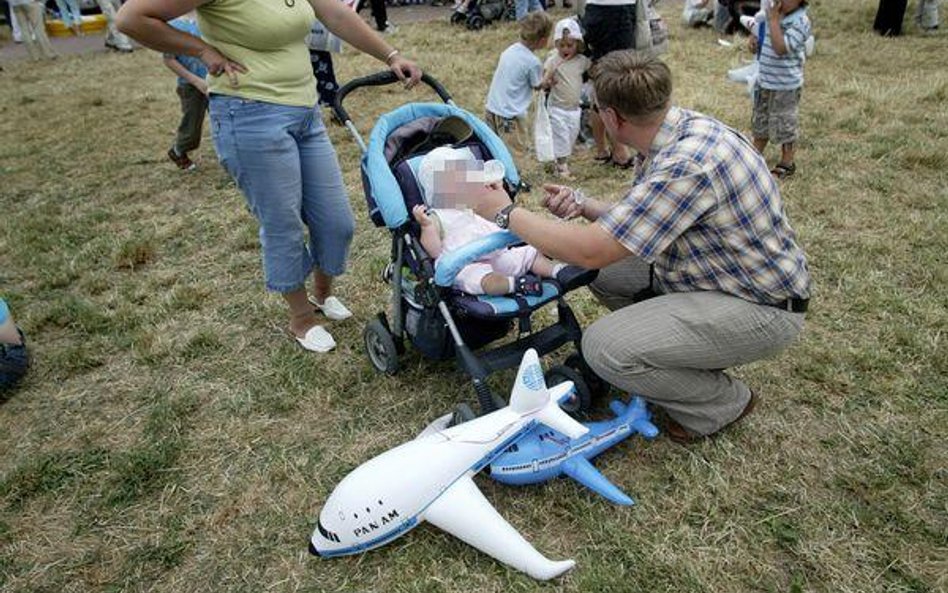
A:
313,550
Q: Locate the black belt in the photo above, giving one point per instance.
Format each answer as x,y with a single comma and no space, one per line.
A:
792,305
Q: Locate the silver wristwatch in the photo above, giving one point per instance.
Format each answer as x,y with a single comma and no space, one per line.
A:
502,218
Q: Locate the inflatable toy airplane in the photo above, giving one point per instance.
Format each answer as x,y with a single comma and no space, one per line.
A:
429,479
544,453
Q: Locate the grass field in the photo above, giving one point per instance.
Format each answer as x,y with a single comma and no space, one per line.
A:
172,438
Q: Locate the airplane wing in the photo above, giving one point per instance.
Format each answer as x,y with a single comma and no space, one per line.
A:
463,512
586,474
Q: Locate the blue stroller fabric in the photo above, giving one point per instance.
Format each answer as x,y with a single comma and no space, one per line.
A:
384,190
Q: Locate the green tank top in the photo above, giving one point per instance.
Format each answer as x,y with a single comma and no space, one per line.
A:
268,37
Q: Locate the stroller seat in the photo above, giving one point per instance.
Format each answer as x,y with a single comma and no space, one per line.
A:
439,321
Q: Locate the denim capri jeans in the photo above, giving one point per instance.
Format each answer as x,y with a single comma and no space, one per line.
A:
282,160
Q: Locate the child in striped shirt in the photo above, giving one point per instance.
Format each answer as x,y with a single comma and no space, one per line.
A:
780,51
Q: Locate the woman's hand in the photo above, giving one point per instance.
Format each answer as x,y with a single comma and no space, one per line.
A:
217,64
421,215
407,71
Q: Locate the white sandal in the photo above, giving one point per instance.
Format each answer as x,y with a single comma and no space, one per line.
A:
317,339
332,308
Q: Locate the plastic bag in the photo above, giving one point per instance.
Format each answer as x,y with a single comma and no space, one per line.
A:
543,131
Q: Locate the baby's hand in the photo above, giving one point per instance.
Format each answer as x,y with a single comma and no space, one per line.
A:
421,215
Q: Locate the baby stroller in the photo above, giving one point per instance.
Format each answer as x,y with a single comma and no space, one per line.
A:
477,13
439,321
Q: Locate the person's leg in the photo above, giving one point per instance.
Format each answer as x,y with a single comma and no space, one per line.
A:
255,145
114,38
623,283
21,13
760,119
534,6
926,14
785,116
380,14
193,107
37,14
497,284
599,135
521,8
325,205
671,350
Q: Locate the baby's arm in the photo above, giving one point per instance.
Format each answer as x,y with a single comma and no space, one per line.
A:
430,231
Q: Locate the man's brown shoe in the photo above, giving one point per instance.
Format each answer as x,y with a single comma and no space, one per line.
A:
680,434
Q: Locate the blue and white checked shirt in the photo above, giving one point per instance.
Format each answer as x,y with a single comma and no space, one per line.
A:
785,73
705,210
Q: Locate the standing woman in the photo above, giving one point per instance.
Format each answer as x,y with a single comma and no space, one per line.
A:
269,135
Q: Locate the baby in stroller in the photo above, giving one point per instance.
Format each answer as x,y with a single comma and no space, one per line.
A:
451,180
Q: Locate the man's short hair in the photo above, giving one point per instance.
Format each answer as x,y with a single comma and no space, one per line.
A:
535,26
635,84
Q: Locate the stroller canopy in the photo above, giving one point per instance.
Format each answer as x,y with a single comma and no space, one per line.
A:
382,185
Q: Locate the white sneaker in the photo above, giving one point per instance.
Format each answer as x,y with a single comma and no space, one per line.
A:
332,308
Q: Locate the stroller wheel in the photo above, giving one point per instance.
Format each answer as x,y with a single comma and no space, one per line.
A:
380,346
476,22
457,18
598,388
581,399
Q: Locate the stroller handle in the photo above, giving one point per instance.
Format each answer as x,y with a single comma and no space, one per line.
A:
383,78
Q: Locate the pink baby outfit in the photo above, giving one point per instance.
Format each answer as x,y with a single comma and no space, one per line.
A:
460,227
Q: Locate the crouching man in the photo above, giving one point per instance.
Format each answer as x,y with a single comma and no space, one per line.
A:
699,265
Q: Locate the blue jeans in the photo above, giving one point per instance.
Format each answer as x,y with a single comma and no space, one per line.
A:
282,160
525,6
69,12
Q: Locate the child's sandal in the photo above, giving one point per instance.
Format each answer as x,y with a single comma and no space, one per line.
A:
783,170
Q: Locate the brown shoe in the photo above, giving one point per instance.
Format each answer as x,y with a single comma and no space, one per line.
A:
182,160
682,435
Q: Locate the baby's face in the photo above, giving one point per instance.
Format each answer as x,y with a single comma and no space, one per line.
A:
453,187
567,47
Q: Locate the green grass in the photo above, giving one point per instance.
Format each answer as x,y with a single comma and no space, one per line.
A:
172,438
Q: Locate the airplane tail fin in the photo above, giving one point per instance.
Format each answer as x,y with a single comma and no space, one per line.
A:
586,474
530,395
637,414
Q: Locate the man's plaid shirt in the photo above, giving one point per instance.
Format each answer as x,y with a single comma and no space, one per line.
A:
705,210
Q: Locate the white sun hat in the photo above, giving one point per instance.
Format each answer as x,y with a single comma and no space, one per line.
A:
565,25
479,172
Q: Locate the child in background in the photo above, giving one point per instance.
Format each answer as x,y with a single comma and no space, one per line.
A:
14,357
565,69
780,81
451,181
519,72
31,16
192,90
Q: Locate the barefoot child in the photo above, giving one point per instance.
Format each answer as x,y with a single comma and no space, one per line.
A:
192,91
564,73
451,181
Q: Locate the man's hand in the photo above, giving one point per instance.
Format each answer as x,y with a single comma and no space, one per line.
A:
217,64
752,43
559,201
490,203
773,13
421,215
407,71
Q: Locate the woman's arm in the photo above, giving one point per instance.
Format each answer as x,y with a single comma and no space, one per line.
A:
349,26
146,21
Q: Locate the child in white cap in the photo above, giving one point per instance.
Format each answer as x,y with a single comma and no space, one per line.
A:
564,71
452,180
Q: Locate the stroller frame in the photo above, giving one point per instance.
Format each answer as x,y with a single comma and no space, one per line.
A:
384,341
